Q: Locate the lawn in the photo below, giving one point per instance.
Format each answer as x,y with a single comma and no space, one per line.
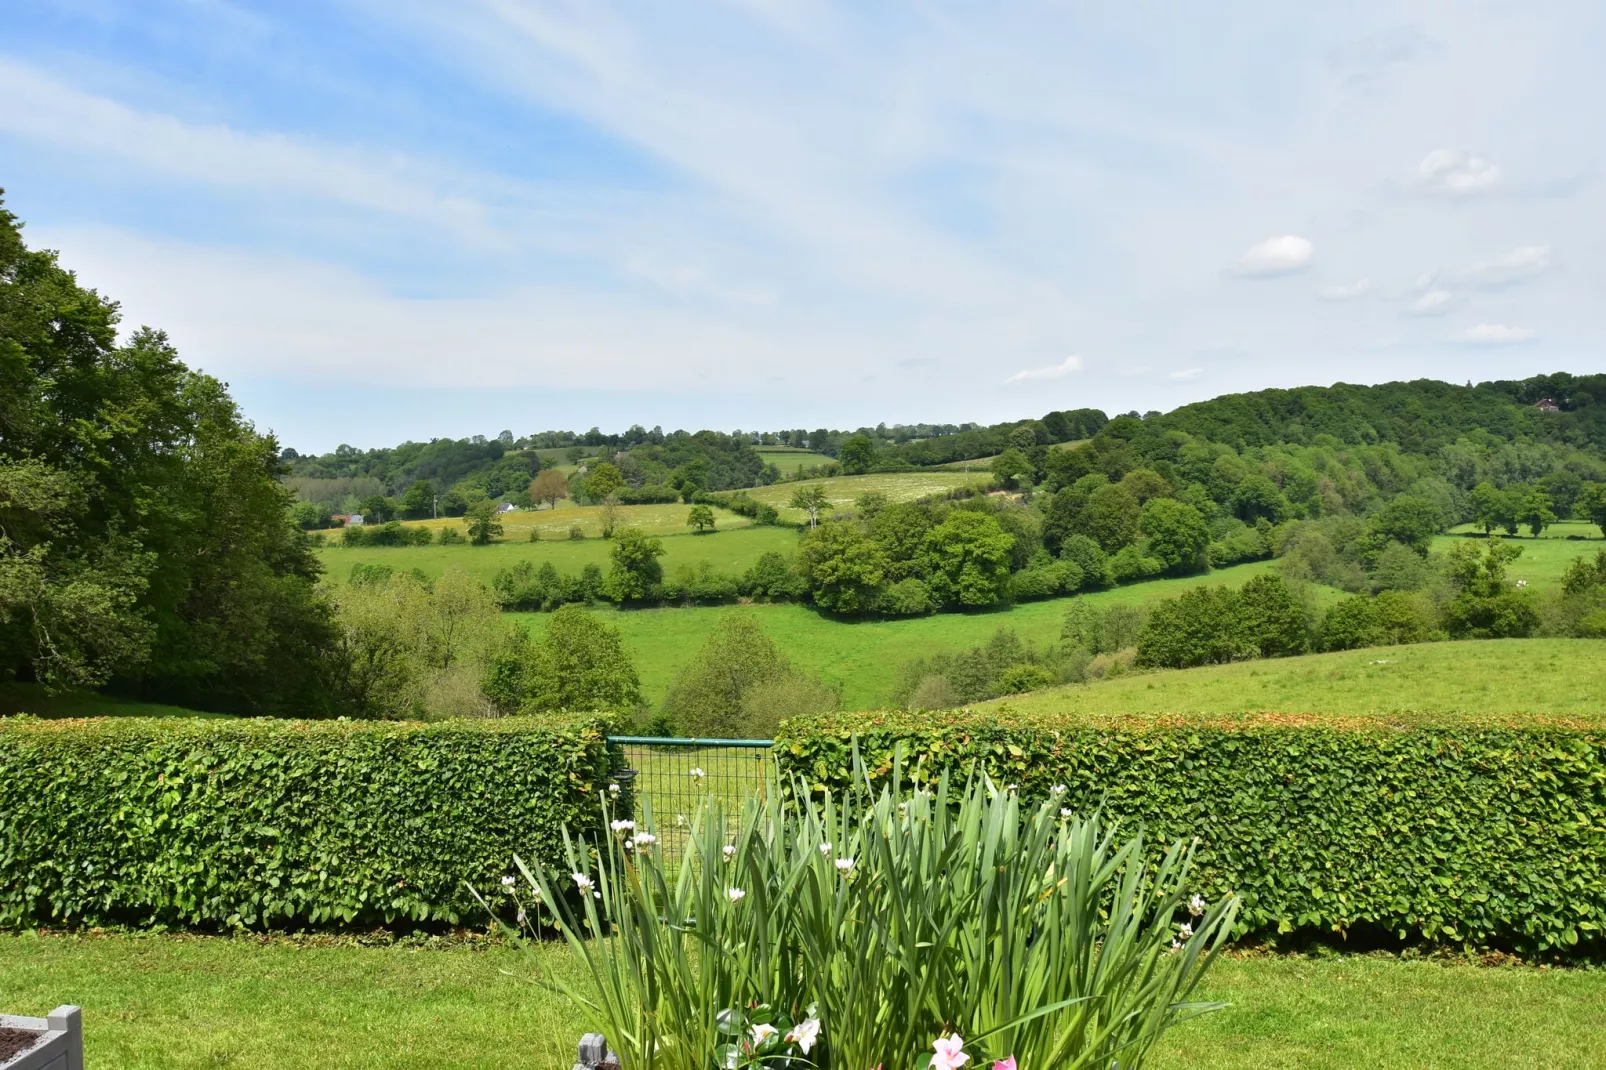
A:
842,491
191,1002
728,550
1559,677
860,656
789,459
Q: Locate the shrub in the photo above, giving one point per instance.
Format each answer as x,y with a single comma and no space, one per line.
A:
1478,832
1088,556
576,531
1270,620
860,930
1200,627
701,584
225,824
707,698
773,576
394,533
1045,581
1024,677
1101,631
1130,565
451,536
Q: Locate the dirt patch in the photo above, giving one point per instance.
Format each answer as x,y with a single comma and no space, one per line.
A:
15,1041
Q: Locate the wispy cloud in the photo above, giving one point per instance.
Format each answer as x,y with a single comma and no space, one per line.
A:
1277,256
1455,174
1433,303
1346,291
1496,334
1522,263
1052,371
1187,373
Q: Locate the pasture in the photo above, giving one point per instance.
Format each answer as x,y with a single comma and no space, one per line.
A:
554,524
862,657
790,459
729,550
1550,677
843,491
180,1002
1543,560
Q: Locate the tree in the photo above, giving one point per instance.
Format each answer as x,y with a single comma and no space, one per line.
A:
1270,619
844,567
706,699
1404,519
857,455
1486,604
637,574
1111,517
1177,535
484,523
967,560
609,515
1591,504
700,518
1256,497
1534,511
900,530
1200,627
1493,508
581,664
454,503
310,516
1010,466
418,502
604,479
550,487
377,509
811,499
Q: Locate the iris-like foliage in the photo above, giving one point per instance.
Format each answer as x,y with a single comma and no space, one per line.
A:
890,919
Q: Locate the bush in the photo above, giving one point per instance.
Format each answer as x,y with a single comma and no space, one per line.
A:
1130,565
576,531
775,577
700,584
1484,833
1045,581
394,533
259,824
1088,556
1200,627
1271,620
907,598
451,536
1387,619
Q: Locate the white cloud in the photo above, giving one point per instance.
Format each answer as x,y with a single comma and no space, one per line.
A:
42,109
1455,174
1346,291
1187,373
1277,256
1053,371
1496,334
1522,263
1433,303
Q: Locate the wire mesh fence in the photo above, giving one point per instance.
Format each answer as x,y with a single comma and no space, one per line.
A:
676,775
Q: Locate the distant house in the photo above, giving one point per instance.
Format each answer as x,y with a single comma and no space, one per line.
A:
1546,405
505,507
354,518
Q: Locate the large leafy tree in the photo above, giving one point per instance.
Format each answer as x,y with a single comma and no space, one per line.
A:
145,539
846,570
1177,534
967,560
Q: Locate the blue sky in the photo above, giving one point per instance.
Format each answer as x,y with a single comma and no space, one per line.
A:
382,219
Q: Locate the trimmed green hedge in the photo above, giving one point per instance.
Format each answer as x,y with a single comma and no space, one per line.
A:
282,824
1481,833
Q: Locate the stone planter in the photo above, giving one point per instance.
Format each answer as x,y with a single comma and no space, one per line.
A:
60,1045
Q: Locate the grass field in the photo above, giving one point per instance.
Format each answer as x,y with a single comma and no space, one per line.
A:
789,459
1558,677
1543,560
554,524
730,551
842,491
860,656
34,699
160,1002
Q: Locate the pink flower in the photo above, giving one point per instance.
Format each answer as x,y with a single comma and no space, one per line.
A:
950,1054
1005,1064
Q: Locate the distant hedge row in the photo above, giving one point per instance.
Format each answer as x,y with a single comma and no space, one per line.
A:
1484,834
219,824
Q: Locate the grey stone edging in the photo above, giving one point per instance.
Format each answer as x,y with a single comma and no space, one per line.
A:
63,1046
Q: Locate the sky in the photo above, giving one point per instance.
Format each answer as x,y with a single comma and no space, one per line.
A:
383,220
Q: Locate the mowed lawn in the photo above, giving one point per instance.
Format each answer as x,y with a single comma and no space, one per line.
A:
1554,677
862,657
729,551
172,1003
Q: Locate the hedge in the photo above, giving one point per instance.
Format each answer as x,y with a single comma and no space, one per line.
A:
1474,832
220,824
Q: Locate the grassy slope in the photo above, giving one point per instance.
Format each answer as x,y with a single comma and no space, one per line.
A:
555,523
731,551
861,656
1562,677
1543,560
166,1002
31,698
841,491
788,459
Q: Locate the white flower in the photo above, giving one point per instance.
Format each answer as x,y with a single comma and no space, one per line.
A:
697,773
507,881
1058,789
762,1032
581,880
521,917
804,1034
645,839
825,849
1196,905
844,864
680,820
736,895
628,844
1011,787
1185,931
950,1053
1176,945
1065,812
613,789
622,826
596,895
1522,583
729,851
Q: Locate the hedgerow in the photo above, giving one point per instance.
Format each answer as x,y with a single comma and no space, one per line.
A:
227,824
1480,833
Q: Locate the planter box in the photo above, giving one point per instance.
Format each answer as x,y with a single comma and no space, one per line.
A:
61,1046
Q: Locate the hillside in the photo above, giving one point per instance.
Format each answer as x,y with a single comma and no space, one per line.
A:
1552,677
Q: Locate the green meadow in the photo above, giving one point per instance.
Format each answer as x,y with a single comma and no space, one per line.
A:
860,656
184,1003
790,459
843,491
1549,677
